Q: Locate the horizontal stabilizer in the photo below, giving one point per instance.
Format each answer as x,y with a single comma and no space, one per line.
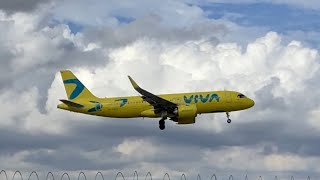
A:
71,104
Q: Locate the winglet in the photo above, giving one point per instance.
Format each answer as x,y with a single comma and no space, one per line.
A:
134,84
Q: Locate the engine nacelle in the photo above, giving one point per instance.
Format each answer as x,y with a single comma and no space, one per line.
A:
187,114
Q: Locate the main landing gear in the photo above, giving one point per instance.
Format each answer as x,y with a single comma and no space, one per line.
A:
228,116
162,125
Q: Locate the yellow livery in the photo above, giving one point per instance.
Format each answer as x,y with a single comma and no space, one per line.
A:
181,107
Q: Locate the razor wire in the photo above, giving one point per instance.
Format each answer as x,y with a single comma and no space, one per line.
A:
215,177
166,174
120,174
198,177
50,173
33,172
84,175
65,174
135,174
99,173
5,173
17,172
148,174
183,176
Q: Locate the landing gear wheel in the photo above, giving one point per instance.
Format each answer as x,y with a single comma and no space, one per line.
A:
162,124
229,121
228,116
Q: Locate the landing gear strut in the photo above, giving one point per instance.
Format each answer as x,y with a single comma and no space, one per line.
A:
228,116
162,125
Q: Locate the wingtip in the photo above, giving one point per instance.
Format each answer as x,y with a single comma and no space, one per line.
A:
134,84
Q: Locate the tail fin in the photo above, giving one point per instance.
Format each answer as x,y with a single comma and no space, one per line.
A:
74,88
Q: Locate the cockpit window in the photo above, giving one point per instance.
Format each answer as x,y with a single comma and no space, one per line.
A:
241,96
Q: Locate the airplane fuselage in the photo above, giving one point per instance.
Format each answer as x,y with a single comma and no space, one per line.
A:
135,106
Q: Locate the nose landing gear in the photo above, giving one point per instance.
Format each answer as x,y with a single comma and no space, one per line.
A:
228,116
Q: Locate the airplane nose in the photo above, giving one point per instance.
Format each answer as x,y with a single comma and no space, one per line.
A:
251,103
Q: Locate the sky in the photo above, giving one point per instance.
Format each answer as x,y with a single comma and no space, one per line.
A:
267,49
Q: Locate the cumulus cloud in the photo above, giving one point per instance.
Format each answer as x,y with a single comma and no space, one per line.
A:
221,64
26,48
254,69
12,6
172,13
254,159
268,70
139,149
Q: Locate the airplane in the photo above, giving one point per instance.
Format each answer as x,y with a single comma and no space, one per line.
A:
181,108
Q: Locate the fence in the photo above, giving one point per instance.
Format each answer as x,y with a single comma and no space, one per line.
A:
119,175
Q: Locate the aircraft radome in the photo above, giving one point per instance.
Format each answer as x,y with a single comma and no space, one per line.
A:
181,107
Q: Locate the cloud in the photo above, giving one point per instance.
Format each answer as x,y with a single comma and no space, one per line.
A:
266,69
163,57
312,4
200,59
139,149
106,12
12,6
252,158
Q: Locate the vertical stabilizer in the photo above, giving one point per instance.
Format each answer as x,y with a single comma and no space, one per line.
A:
74,88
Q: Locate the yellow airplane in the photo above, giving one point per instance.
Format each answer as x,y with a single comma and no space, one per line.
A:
181,108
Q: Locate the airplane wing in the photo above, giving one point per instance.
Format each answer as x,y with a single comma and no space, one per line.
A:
157,102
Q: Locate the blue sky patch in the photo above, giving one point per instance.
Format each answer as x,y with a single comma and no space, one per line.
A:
124,20
74,27
280,18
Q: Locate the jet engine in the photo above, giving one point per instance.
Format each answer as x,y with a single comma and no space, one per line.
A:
186,114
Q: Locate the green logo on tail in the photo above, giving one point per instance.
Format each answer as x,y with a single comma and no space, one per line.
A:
78,90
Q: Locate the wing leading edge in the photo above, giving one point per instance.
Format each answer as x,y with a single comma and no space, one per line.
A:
157,102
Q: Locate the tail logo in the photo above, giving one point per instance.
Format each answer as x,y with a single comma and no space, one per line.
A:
79,87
